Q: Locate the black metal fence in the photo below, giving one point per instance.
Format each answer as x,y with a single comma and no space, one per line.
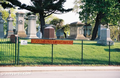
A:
9,51
81,52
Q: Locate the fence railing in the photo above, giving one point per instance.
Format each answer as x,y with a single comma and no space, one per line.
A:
81,52
8,51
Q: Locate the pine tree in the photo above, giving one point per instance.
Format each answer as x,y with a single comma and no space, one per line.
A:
43,7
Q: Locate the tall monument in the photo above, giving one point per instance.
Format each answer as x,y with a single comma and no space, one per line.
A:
20,25
32,26
9,26
1,26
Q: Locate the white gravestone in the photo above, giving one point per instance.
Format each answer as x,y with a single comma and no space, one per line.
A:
105,37
9,26
20,24
99,31
39,34
32,26
1,26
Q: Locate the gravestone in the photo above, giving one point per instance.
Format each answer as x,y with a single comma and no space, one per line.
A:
1,26
99,31
60,34
76,31
39,34
87,30
9,26
12,38
20,25
49,32
50,25
105,37
32,26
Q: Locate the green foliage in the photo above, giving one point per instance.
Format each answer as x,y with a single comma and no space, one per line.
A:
47,19
43,7
99,12
114,32
5,15
66,27
57,22
50,18
109,8
46,6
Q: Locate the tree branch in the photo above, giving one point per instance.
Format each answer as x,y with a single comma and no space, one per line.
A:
49,13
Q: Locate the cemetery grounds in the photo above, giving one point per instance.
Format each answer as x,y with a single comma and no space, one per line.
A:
41,54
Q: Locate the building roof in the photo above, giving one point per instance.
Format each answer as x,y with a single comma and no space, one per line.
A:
77,23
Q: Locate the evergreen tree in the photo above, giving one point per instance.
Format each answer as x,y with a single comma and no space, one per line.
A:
43,7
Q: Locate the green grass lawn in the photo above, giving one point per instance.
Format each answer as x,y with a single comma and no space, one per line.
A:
93,53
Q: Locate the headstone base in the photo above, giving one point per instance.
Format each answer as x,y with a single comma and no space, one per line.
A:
9,34
60,37
105,42
32,36
22,34
78,37
1,34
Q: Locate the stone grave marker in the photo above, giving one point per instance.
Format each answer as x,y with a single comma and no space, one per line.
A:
1,26
49,32
87,30
12,38
105,37
50,25
60,34
77,31
9,26
32,26
39,34
99,31
20,25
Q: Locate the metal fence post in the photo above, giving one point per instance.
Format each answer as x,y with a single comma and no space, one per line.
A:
109,53
18,53
82,53
15,48
52,53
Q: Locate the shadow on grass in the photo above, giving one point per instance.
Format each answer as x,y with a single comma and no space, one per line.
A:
6,42
87,44
62,61
113,50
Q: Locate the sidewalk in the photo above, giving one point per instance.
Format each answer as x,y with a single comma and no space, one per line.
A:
59,68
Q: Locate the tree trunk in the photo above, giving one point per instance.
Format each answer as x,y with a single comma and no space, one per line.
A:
42,23
97,23
65,34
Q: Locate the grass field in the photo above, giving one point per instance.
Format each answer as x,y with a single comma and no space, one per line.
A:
40,54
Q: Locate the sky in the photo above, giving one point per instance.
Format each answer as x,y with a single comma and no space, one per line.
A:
67,17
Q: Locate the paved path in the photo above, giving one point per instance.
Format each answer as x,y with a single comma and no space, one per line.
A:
62,74
60,68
